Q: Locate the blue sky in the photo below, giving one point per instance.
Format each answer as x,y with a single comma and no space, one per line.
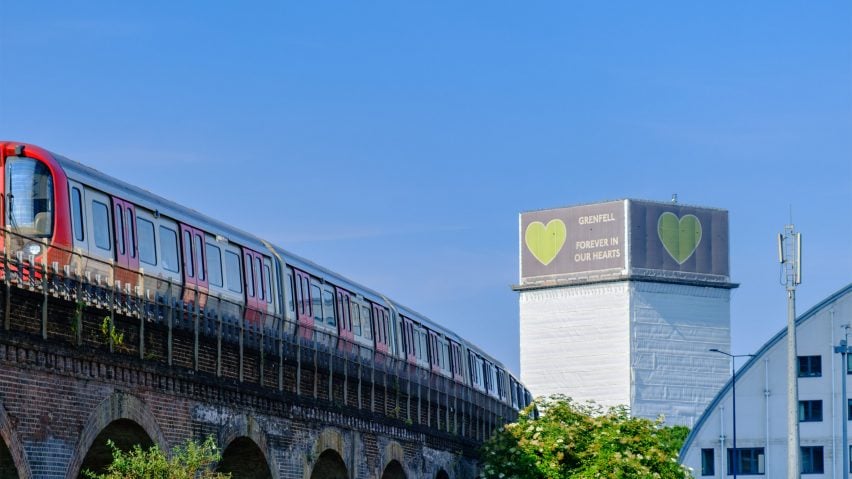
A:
396,142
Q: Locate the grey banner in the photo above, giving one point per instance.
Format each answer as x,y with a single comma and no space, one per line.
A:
671,237
566,241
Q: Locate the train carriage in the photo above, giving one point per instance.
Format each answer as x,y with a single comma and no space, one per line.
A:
59,212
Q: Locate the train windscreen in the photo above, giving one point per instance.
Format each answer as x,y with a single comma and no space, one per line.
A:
29,197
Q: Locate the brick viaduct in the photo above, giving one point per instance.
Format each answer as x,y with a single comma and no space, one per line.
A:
277,406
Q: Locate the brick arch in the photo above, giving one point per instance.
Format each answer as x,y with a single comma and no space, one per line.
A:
117,406
246,427
16,449
393,452
329,439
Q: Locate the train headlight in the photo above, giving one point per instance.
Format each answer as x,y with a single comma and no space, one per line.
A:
32,249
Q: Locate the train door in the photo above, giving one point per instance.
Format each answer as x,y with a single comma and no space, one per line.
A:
304,313
126,244
380,328
345,332
255,286
196,285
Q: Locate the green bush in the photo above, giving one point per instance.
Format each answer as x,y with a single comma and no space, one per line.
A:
583,441
189,461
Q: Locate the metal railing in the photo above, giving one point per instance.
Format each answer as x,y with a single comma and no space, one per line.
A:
273,351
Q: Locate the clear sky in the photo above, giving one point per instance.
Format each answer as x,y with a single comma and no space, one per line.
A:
397,141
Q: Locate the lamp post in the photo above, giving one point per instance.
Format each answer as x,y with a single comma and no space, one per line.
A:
843,349
734,401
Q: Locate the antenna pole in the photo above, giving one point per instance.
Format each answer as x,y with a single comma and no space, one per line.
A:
789,245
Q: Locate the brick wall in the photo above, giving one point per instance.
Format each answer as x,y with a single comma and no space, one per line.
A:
58,394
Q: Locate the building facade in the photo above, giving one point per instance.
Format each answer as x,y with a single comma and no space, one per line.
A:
620,303
761,403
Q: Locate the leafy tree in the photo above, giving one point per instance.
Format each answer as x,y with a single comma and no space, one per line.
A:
189,461
583,441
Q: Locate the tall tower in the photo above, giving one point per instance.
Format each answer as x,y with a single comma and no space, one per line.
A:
620,303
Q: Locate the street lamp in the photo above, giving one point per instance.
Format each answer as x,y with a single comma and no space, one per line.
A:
844,350
733,400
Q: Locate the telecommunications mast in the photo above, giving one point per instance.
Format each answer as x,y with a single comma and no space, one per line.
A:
790,256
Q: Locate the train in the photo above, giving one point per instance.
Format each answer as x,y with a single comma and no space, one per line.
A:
64,213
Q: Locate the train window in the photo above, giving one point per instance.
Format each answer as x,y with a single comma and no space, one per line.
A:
422,345
232,272
214,265
444,354
199,256
328,307
347,310
168,249
258,271
383,326
355,318
119,212
457,362
100,223
366,325
291,302
249,276
267,284
77,213
132,233
316,298
187,254
147,245
307,306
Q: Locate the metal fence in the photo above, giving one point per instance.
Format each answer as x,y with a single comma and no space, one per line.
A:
184,327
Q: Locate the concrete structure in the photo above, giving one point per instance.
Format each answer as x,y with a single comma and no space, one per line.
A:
762,403
277,407
620,303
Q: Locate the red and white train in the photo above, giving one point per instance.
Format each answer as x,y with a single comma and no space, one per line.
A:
157,246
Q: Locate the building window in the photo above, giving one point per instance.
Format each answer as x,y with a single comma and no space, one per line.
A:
812,460
750,460
810,366
849,364
810,411
849,409
708,462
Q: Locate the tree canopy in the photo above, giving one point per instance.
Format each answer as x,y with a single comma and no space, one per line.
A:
189,461
583,441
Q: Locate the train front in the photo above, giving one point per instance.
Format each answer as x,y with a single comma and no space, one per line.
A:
35,205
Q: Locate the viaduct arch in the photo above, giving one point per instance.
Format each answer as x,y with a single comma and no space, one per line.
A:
124,419
13,457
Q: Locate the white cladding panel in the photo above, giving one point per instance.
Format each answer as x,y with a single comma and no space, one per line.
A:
672,328
640,344
575,341
762,398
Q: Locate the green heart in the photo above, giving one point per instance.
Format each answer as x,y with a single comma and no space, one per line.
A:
679,237
545,242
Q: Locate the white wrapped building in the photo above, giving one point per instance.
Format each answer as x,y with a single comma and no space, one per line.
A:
620,303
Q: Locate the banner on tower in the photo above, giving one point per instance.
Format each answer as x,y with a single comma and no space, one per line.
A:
624,239
575,240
